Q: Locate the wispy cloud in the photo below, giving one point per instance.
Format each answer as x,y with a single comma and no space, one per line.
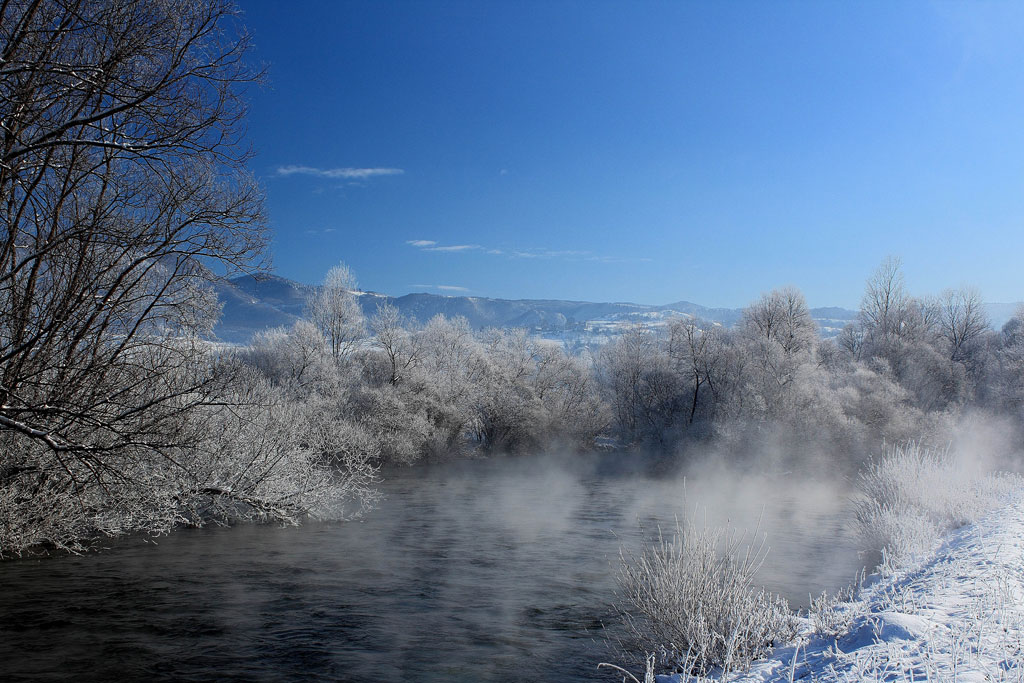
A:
342,173
453,247
568,254
432,245
443,288
319,231
578,255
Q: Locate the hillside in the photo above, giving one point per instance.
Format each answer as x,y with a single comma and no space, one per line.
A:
257,302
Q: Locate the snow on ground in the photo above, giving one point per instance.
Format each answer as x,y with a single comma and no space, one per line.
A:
958,616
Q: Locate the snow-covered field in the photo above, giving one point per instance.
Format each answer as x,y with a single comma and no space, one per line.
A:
956,616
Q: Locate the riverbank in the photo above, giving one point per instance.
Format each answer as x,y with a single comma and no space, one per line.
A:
956,616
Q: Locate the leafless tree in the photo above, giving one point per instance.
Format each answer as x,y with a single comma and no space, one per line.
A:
393,337
623,363
885,299
123,195
335,309
963,321
696,350
296,359
782,316
894,323
851,339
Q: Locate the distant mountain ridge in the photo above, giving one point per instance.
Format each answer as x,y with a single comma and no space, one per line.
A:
257,302
252,303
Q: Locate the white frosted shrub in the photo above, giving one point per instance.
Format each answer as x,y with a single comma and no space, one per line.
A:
691,598
913,495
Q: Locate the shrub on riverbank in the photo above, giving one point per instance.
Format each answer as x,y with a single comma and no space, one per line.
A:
913,495
690,600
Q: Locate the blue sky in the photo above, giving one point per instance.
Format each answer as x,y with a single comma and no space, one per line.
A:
648,152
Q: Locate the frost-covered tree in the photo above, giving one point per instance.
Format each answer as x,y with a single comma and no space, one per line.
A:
697,351
962,321
885,302
334,309
121,187
392,336
123,197
622,365
451,367
295,358
781,316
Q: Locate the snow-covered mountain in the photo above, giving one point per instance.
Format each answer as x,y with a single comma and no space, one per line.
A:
258,302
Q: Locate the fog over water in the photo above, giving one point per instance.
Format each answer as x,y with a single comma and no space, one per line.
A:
499,569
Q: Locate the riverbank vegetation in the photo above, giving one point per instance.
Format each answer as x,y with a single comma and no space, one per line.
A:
123,197
693,606
907,369
691,602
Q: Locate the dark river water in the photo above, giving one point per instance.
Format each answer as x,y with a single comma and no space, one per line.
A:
484,570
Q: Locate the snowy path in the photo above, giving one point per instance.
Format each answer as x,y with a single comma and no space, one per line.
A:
959,616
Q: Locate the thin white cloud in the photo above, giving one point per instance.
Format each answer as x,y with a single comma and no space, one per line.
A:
619,259
577,255
432,245
453,247
443,288
345,173
319,231
564,254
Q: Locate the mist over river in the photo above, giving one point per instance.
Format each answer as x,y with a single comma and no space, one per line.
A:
498,570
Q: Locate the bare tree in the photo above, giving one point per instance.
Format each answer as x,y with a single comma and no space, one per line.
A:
392,336
123,195
782,316
335,309
963,321
895,324
623,363
696,350
295,359
884,302
1013,329
851,339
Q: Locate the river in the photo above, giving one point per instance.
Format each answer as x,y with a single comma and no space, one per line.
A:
480,570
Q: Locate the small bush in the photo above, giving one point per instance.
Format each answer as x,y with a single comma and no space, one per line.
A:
832,615
691,599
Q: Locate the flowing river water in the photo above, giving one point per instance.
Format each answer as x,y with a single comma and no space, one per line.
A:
480,570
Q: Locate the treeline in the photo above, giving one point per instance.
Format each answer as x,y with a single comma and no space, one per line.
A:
906,369
405,392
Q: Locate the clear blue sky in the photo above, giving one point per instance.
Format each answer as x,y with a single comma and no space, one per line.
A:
646,152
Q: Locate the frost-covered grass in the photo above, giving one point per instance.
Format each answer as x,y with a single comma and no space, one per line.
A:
690,600
912,496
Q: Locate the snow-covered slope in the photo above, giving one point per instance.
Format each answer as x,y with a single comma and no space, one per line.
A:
959,616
